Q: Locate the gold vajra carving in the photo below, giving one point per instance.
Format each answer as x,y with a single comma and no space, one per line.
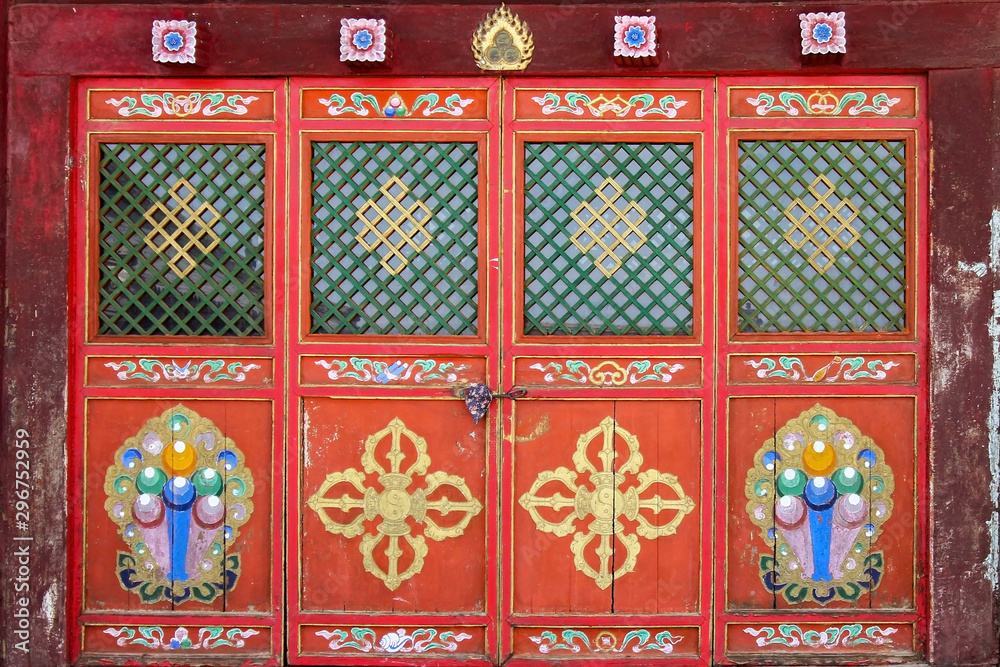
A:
398,510
407,223
178,230
827,208
502,42
609,226
605,503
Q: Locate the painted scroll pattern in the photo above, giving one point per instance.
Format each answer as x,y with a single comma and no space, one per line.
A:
154,105
822,104
418,640
367,104
849,636
636,641
607,373
639,105
154,636
847,369
154,370
373,370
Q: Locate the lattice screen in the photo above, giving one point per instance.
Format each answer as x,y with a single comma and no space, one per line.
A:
395,238
608,238
181,239
822,236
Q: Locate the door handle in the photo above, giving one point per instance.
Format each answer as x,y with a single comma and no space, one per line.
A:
478,397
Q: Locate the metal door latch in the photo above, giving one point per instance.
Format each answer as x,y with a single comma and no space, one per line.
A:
478,398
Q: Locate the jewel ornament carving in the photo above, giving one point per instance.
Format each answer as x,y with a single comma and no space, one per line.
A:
820,103
180,229
362,40
820,492
174,41
179,492
404,225
605,502
398,510
503,42
823,33
811,225
635,39
609,225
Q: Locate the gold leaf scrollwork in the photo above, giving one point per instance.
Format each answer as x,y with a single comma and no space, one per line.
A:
397,510
604,501
502,42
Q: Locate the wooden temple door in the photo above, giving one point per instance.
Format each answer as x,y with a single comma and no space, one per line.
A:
177,381
608,326
393,490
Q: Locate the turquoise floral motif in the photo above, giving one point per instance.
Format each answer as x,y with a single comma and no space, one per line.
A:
153,636
364,104
605,642
844,636
382,372
153,370
847,369
608,373
421,640
822,104
155,105
578,103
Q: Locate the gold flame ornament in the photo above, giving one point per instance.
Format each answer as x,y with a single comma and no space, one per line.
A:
502,42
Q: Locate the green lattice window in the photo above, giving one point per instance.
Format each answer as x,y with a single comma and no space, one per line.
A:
395,238
181,239
608,239
822,234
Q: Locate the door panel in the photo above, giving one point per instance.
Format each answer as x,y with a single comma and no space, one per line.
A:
178,370
393,489
608,513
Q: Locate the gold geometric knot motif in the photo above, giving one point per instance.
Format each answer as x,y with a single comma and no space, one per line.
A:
394,225
178,230
823,224
397,511
605,503
609,226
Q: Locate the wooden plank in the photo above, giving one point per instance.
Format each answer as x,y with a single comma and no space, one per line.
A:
35,370
574,39
962,111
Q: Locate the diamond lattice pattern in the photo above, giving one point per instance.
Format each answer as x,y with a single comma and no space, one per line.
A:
608,239
395,238
181,239
822,236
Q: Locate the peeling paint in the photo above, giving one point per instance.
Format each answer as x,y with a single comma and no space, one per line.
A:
993,418
979,268
306,459
48,609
